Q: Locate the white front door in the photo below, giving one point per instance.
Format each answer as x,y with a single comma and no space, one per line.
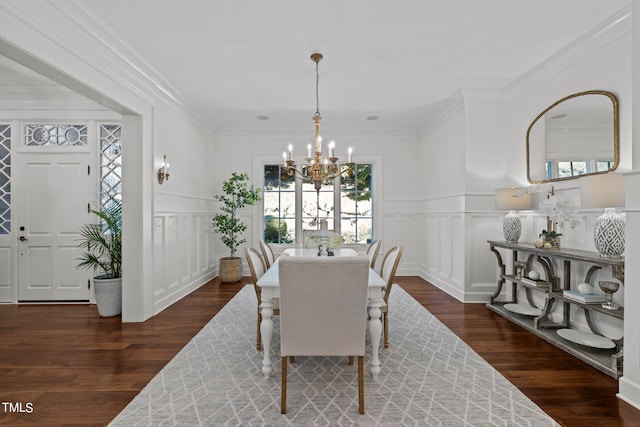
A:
55,193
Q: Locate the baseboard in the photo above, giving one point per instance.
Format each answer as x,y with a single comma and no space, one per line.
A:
629,391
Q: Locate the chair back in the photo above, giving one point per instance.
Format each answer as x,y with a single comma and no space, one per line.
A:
389,267
267,253
256,267
372,252
323,305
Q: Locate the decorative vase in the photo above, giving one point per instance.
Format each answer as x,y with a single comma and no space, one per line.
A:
608,234
108,295
230,269
512,227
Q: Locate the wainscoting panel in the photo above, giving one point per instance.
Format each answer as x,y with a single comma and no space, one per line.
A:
403,230
6,293
482,263
183,255
444,252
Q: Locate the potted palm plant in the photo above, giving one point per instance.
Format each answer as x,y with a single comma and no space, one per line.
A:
237,194
102,244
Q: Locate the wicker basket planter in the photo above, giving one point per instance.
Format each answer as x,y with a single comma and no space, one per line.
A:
230,269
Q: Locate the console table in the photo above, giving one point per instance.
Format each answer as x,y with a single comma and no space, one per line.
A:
538,320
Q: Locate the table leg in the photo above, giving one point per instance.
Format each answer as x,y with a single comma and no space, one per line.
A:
266,330
375,332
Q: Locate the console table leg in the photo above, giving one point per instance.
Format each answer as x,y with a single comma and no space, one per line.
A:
500,279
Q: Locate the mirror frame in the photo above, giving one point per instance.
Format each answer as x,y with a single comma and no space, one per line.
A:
616,135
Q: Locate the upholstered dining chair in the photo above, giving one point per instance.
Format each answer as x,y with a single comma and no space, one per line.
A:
267,253
323,311
372,252
257,269
388,274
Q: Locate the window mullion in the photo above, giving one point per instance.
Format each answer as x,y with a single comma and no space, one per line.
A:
298,187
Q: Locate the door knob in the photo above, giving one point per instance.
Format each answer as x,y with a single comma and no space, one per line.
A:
22,238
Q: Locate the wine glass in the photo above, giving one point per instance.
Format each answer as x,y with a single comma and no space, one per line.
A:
609,288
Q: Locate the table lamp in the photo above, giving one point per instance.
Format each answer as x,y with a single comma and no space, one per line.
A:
512,199
605,191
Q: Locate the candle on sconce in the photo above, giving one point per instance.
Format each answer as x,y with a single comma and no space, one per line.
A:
284,158
332,149
290,152
319,144
308,151
349,153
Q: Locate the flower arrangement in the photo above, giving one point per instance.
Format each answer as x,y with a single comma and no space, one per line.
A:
559,210
334,240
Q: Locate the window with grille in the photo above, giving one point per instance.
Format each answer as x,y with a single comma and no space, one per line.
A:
5,178
56,135
279,194
356,207
345,203
110,143
569,168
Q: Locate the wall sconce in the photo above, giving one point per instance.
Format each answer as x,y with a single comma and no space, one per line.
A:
163,172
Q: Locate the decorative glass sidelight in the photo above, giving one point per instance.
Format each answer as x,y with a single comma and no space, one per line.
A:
5,178
110,142
56,135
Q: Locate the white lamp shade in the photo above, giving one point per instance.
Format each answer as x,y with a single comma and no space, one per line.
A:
602,191
507,199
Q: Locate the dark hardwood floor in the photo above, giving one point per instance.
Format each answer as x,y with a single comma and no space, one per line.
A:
63,365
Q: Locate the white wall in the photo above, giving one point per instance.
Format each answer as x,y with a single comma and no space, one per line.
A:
395,201
451,204
493,130
162,225
442,203
629,389
184,255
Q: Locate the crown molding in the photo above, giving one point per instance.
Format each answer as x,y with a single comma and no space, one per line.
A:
600,40
132,63
442,111
99,48
300,134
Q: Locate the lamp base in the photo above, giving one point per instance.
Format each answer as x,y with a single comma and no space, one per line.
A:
512,227
608,234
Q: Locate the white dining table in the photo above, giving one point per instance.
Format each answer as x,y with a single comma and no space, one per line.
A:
270,289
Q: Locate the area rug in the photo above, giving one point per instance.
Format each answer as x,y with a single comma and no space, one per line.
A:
429,377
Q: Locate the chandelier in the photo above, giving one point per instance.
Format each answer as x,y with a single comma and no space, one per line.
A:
316,169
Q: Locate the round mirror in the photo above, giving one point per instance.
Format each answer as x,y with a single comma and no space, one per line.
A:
576,136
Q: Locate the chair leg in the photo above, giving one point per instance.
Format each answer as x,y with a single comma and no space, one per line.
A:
292,359
350,360
283,387
386,329
361,384
259,335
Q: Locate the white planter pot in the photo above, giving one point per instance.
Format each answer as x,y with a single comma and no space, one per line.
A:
108,295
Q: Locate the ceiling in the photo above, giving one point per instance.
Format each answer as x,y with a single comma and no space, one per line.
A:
230,62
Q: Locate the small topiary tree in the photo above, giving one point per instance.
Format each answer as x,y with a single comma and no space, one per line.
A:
237,194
